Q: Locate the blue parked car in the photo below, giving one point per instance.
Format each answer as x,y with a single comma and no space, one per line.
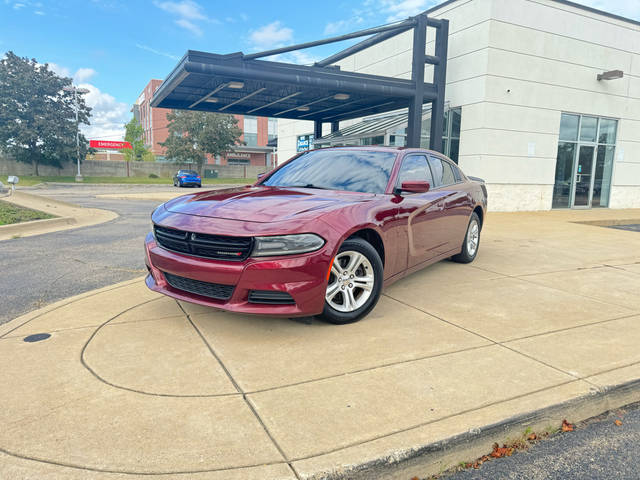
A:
185,178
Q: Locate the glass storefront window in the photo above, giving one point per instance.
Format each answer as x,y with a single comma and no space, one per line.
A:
564,171
584,164
607,133
588,129
602,181
569,127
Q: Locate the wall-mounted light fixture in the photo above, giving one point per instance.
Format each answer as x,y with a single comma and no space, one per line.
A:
341,96
235,84
610,75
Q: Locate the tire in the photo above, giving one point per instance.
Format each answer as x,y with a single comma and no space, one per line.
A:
341,309
471,243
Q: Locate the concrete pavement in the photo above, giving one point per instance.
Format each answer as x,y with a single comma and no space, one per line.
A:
544,325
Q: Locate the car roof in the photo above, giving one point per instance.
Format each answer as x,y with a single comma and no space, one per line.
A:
379,148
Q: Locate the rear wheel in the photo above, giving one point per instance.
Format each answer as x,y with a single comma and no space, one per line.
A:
471,241
354,283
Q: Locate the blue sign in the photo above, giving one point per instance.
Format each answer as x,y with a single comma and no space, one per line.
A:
305,142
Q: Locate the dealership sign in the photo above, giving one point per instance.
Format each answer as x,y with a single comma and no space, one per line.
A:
109,144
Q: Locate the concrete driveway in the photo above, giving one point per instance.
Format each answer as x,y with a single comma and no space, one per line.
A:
134,384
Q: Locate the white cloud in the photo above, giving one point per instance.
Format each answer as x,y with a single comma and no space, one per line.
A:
39,12
189,14
83,74
185,9
59,70
157,52
401,9
108,116
625,8
18,6
273,35
189,25
340,26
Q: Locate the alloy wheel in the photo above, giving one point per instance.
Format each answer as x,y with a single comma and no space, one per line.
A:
473,237
351,281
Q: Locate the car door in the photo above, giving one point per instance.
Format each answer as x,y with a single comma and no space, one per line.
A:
452,225
420,211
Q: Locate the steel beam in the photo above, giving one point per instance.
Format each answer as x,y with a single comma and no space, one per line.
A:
369,42
440,81
317,129
340,38
414,126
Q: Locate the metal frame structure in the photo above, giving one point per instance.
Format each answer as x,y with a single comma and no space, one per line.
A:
245,85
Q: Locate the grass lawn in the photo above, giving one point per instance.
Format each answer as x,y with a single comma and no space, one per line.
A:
26,181
10,213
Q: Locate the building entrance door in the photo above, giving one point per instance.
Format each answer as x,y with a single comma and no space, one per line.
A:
583,177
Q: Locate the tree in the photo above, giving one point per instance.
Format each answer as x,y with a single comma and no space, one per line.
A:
193,135
37,117
133,135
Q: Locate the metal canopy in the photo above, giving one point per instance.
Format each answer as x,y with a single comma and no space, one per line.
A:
243,84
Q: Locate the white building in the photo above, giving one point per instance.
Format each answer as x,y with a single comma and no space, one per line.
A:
536,123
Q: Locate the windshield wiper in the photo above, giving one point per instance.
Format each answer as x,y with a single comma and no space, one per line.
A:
308,185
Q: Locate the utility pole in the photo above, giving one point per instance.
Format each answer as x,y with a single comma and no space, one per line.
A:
75,91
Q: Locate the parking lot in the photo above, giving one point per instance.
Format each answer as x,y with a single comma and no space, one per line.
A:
132,383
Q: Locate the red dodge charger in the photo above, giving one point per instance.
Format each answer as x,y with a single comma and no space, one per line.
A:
320,235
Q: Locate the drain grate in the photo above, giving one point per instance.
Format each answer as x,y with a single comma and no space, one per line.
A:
36,337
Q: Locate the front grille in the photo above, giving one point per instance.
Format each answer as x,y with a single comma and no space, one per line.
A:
206,289
271,297
219,247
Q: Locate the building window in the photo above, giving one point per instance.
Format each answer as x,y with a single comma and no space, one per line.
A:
304,143
272,129
586,149
450,133
250,130
377,140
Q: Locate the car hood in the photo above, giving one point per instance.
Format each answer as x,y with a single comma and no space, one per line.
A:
264,204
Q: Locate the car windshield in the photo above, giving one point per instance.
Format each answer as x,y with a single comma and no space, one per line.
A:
352,170
187,172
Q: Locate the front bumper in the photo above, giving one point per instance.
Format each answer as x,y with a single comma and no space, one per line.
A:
303,277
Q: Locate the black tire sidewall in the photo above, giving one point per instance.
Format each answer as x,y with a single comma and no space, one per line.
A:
329,314
463,256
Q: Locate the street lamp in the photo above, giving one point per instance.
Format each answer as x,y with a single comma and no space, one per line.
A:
75,91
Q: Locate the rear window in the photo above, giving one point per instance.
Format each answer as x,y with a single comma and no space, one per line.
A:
351,170
187,172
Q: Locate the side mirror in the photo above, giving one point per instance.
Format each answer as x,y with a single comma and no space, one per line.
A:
260,175
415,186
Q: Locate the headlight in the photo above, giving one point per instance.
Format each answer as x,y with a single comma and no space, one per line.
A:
286,244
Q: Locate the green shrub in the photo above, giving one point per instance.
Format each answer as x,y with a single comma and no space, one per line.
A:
153,175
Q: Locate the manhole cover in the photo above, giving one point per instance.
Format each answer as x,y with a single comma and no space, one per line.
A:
37,337
635,227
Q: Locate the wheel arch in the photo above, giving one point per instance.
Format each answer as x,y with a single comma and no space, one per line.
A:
372,237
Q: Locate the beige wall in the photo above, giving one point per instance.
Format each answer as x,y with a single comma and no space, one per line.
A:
514,66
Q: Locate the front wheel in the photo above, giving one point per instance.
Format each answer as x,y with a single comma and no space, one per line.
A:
355,282
471,241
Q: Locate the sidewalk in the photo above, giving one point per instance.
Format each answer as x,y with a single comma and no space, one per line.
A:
544,325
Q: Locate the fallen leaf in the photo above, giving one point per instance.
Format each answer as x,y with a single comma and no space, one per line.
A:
566,426
618,422
532,437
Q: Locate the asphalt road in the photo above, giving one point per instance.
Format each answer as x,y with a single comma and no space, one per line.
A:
597,450
45,268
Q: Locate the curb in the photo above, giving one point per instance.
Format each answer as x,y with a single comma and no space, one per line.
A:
35,226
435,458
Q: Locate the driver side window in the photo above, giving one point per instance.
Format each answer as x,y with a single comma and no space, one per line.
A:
415,167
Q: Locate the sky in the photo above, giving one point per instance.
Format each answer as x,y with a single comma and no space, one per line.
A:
114,47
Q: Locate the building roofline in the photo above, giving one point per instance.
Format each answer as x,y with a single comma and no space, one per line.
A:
562,2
